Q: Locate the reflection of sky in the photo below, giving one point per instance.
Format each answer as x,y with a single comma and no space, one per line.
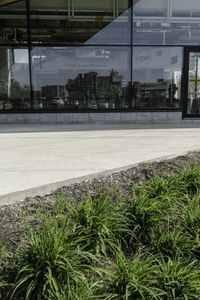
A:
115,31
20,68
55,67
194,64
21,56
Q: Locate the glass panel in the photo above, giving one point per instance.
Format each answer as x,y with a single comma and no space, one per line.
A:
166,22
150,8
185,22
189,9
80,21
13,23
14,79
80,77
194,84
148,15
157,77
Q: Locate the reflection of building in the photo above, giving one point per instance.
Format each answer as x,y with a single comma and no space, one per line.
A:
51,91
90,89
155,94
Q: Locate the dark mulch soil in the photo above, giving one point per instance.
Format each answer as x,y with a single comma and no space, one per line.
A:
16,219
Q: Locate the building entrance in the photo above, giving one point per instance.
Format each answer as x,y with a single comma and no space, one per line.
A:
191,82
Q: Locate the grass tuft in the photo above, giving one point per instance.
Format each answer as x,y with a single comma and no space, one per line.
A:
134,278
49,261
101,224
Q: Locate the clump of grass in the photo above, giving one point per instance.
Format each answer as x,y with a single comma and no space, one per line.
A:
2,250
191,218
149,210
157,187
172,243
179,279
4,285
188,181
133,278
101,224
85,290
49,261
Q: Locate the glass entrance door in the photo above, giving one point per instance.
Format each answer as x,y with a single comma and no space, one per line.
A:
193,84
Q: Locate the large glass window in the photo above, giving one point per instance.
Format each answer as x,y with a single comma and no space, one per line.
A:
80,21
13,23
80,77
14,79
157,77
166,22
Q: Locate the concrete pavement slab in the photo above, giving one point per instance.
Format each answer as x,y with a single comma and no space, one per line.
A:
36,159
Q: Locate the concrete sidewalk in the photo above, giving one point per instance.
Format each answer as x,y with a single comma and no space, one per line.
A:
44,157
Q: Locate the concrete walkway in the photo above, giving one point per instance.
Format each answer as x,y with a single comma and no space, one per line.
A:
40,157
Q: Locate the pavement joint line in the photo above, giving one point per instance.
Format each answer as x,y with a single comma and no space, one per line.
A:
20,196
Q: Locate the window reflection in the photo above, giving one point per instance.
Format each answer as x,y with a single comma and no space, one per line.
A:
193,105
164,22
81,77
14,79
77,21
157,77
13,24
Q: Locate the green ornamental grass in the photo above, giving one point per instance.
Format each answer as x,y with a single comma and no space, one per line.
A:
134,278
49,261
143,248
102,224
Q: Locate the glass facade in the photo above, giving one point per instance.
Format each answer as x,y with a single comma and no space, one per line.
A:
83,55
157,77
80,77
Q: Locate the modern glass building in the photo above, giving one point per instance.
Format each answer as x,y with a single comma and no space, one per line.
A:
108,56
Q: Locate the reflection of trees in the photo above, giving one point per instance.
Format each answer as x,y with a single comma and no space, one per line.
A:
18,91
17,96
15,91
194,78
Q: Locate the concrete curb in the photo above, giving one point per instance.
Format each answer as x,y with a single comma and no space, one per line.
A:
42,190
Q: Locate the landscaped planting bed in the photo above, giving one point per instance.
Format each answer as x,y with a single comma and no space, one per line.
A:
132,235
